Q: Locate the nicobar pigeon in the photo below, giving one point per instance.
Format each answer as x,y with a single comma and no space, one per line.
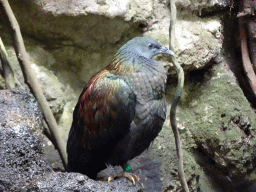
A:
120,111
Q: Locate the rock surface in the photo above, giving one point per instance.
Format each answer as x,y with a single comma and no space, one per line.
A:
69,41
219,122
22,163
21,157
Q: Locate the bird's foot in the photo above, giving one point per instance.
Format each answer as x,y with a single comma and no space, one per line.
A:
131,176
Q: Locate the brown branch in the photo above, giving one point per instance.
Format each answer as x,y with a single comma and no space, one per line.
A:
251,32
177,98
248,68
32,82
7,71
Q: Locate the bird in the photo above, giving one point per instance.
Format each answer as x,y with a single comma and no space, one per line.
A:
120,111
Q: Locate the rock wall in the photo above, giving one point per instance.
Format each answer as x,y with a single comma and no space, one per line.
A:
68,41
22,164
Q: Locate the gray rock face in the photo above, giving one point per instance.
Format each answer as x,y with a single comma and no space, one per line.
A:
21,158
22,164
74,39
78,38
202,8
78,182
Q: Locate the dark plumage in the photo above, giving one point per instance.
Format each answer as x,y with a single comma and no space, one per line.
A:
120,111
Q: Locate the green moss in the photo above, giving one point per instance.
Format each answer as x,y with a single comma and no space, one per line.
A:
2,82
217,114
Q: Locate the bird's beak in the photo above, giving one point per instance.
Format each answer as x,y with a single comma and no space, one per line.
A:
167,51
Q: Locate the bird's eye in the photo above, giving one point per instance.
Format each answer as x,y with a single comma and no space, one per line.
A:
151,46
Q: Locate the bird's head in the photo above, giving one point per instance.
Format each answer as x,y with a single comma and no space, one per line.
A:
144,46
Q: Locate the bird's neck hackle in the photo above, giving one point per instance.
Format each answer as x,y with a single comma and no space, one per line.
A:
121,63
132,62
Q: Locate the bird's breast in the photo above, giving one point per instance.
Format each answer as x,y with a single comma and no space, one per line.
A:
147,86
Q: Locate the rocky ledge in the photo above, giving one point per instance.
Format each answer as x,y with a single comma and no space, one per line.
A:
22,163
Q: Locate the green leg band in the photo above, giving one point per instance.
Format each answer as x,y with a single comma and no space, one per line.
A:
127,167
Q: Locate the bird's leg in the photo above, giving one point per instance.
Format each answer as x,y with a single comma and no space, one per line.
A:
131,176
126,167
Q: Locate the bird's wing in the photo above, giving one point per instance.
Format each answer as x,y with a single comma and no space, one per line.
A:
104,111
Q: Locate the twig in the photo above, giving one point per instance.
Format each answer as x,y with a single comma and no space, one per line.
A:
177,98
7,71
32,82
